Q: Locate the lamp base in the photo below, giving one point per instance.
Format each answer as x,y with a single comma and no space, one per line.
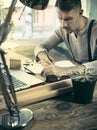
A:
25,116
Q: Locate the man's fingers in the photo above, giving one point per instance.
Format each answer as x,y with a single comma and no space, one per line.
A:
45,62
46,71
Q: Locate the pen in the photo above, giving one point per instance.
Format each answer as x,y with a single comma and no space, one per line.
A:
29,71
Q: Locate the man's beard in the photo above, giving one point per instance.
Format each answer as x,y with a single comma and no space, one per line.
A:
68,30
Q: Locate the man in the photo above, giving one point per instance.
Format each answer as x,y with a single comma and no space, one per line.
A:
73,31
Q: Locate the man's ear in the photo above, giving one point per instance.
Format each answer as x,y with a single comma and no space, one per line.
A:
81,12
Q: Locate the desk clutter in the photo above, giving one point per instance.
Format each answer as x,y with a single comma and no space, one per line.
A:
40,91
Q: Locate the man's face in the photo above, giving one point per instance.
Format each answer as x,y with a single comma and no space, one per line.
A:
70,21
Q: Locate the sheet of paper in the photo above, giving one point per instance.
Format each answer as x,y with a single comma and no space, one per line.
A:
64,63
37,68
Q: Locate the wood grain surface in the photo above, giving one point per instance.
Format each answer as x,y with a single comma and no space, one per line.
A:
39,93
62,113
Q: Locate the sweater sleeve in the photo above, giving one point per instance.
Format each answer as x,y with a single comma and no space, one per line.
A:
92,64
51,42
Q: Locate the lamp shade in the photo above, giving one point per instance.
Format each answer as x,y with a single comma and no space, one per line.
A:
35,4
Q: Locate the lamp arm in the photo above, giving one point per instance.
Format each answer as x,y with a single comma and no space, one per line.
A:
15,118
10,12
10,97
10,100
5,27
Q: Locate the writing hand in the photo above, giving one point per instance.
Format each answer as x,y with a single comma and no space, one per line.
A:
45,59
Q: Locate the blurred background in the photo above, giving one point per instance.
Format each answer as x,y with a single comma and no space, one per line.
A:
37,23
30,27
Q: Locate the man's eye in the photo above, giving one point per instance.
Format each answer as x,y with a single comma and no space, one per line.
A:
68,19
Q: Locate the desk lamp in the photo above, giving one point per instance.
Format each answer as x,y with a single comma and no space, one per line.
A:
15,118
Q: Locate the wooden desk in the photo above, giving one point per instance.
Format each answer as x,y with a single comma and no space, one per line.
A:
61,113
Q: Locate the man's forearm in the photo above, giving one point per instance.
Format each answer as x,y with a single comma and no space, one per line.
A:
68,70
92,64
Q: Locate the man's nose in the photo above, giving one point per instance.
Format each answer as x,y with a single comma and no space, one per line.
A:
64,24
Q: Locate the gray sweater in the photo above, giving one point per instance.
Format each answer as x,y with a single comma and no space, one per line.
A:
77,46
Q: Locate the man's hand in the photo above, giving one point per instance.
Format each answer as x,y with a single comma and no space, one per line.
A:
52,69
44,58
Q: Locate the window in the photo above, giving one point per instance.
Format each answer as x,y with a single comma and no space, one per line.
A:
31,23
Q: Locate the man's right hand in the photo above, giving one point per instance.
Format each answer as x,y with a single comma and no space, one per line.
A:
45,58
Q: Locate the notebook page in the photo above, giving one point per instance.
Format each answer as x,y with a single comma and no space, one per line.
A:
64,63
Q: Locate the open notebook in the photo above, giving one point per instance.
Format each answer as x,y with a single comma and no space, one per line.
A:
37,68
64,63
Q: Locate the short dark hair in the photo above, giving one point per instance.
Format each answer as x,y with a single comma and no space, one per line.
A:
68,5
